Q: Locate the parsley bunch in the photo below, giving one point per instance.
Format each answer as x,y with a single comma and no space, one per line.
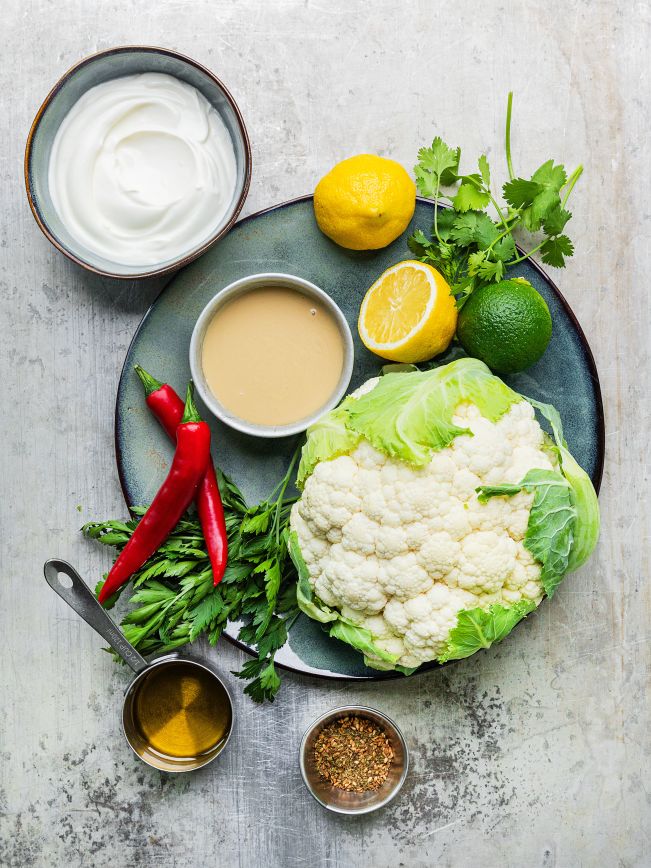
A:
177,601
469,246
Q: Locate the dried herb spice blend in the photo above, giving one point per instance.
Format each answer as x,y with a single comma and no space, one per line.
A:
353,753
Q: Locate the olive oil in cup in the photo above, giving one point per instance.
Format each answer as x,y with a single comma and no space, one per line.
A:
177,715
179,711
270,354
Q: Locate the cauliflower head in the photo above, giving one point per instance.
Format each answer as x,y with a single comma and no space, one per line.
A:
435,514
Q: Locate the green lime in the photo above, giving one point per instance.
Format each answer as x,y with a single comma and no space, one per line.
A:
507,325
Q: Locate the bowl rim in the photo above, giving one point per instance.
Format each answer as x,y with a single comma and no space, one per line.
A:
342,711
186,258
240,287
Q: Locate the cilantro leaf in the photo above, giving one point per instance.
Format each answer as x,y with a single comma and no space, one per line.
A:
504,249
549,176
471,246
437,166
545,203
484,170
475,260
555,221
491,270
473,226
419,243
445,221
520,193
428,184
470,197
554,251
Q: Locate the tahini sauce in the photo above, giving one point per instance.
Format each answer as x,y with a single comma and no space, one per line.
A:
272,356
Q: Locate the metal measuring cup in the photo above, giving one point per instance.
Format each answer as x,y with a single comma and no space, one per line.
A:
76,593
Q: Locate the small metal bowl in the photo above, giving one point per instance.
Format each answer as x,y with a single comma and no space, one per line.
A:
140,746
97,69
342,801
240,287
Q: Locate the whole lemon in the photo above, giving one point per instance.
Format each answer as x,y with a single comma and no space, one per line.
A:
364,202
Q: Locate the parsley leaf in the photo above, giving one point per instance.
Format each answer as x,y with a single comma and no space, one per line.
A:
175,602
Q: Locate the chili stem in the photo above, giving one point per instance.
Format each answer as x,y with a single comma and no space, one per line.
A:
150,383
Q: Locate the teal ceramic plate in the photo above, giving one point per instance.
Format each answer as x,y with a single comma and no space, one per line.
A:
286,238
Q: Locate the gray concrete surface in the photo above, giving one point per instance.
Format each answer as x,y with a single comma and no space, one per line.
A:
535,753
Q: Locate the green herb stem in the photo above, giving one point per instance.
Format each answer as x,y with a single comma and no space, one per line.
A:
529,253
436,213
571,181
281,496
500,214
509,109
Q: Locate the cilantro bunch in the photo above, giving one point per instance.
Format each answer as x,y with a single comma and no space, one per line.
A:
470,247
176,601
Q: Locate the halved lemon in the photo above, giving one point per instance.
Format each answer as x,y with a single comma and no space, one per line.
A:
408,315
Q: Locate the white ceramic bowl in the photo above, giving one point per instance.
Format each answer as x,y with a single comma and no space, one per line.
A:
240,287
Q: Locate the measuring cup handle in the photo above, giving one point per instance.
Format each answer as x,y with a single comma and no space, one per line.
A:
80,598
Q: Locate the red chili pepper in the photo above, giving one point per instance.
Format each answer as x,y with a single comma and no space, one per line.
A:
167,407
191,459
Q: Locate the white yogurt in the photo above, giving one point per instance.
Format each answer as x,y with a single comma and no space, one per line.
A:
142,169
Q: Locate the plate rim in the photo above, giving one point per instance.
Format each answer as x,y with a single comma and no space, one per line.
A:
585,346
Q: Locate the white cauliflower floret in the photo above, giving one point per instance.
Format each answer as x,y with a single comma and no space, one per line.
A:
331,500
520,426
360,533
352,579
438,554
400,550
403,577
425,621
484,450
485,559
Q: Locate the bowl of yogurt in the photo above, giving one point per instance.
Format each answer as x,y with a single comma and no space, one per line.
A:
137,162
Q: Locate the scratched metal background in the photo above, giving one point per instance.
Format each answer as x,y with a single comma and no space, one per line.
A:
534,754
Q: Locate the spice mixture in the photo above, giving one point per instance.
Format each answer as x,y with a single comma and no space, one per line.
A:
354,754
